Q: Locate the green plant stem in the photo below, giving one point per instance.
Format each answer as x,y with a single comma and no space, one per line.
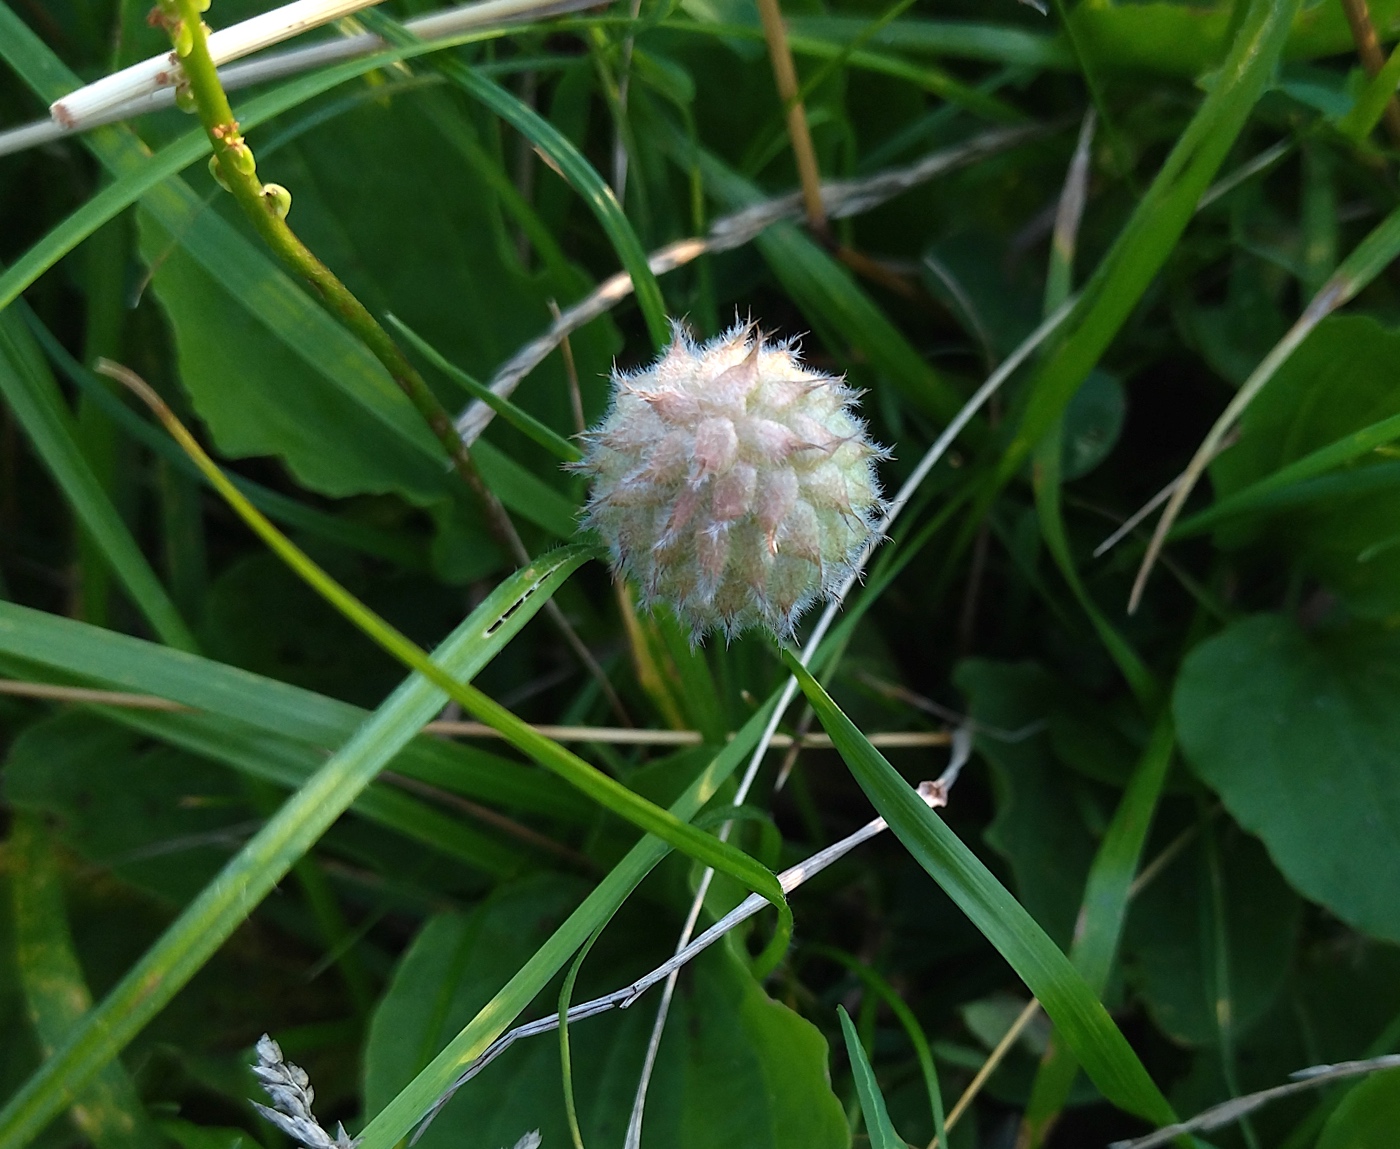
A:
259,202
266,207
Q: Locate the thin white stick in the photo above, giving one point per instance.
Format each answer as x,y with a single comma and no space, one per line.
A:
120,97
225,45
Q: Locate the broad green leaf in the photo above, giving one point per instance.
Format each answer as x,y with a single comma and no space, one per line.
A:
1082,1021
31,393
872,1101
109,1112
1171,944
735,1068
208,921
1368,1116
1298,735
412,1102
1337,385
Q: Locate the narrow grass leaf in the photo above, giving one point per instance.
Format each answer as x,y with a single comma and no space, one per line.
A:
108,1112
1101,918
872,1101
521,420
33,395
249,876
1070,1003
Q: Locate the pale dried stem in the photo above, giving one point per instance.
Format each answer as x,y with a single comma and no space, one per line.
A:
609,735
1368,48
994,1059
799,134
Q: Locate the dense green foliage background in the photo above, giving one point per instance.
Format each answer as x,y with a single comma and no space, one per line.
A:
1198,802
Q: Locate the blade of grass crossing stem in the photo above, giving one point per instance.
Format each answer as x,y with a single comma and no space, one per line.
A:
108,1112
887,993
49,648
584,777
33,395
397,1118
370,540
1101,918
522,421
1151,234
1070,1003
254,871
872,1103
570,162
289,765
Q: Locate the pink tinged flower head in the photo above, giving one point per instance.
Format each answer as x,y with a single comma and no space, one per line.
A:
733,483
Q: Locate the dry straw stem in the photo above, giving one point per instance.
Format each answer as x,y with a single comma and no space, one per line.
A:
1371,256
607,735
1368,47
447,25
800,135
1231,1111
842,198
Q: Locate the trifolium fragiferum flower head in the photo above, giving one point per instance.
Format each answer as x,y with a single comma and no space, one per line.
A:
732,482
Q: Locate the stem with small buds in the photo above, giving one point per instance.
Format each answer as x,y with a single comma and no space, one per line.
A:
266,205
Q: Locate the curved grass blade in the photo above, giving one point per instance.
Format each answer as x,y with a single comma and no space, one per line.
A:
1151,234
33,395
872,1103
1070,1003
108,1112
249,876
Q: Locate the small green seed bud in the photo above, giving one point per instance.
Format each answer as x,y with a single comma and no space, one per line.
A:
182,38
278,199
242,156
218,174
202,5
184,98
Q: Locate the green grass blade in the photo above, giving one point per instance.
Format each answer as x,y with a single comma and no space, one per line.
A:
570,162
1151,234
872,1102
1101,918
108,1112
522,421
48,648
1067,999
32,394
397,1118
220,908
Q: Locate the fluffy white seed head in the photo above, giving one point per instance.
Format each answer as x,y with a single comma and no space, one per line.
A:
732,483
